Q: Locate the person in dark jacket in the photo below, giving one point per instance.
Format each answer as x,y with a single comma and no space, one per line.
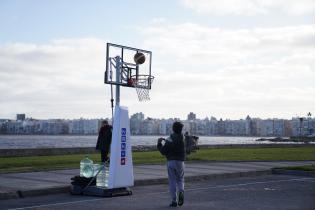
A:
174,149
104,140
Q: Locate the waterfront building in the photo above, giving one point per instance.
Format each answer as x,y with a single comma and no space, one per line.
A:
247,126
255,127
162,127
212,126
169,126
221,127
20,117
311,126
186,127
14,127
150,127
192,124
84,126
266,128
239,127
2,127
227,128
201,127
278,127
31,126
91,126
303,126
288,128
138,116
54,127
136,121
191,116
76,126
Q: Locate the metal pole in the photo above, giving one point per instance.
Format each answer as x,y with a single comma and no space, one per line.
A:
118,78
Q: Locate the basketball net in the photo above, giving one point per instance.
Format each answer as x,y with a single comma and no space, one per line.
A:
141,84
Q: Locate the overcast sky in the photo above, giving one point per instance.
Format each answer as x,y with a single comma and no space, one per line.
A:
222,58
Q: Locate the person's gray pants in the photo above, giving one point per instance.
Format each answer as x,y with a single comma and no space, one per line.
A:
175,170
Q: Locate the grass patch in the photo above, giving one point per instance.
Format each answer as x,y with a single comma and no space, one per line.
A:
255,154
302,168
42,163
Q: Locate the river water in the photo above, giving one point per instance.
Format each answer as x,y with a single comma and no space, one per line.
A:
66,141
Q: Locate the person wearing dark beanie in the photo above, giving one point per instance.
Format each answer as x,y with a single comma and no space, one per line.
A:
173,148
178,127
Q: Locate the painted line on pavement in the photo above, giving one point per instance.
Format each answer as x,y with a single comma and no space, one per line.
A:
251,183
242,184
57,204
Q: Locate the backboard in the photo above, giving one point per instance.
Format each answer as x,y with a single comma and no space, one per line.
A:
124,67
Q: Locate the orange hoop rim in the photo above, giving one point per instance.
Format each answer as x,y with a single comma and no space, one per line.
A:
142,81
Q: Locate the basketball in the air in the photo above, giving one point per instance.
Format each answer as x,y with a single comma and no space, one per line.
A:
139,58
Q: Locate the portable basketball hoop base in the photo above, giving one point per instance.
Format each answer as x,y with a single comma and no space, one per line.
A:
101,192
120,167
127,67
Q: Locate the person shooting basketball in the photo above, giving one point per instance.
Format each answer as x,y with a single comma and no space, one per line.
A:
174,150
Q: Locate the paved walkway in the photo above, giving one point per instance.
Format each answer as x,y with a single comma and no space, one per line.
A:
17,185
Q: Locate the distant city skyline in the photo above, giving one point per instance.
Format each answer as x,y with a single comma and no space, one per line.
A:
223,58
139,125
189,116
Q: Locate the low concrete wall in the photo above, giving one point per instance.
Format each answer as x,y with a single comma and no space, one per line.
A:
45,151
59,151
254,146
90,150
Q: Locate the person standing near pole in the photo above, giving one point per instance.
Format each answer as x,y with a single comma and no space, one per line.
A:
104,140
174,149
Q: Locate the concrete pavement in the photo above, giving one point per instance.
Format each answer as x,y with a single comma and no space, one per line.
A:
16,185
270,192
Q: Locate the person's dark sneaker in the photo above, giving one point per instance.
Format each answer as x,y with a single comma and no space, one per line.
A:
173,204
180,198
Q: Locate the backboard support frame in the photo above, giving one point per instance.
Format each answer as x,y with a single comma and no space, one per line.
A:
128,67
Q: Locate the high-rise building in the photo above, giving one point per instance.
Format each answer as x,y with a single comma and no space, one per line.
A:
136,121
20,117
191,116
137,116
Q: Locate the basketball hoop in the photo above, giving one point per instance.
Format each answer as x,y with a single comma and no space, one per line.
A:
142,83
128,67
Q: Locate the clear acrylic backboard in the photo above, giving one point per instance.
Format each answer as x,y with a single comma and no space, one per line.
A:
128,66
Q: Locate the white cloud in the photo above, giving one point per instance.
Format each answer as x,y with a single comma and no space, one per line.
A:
258,71
229,73
56,79
250,7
